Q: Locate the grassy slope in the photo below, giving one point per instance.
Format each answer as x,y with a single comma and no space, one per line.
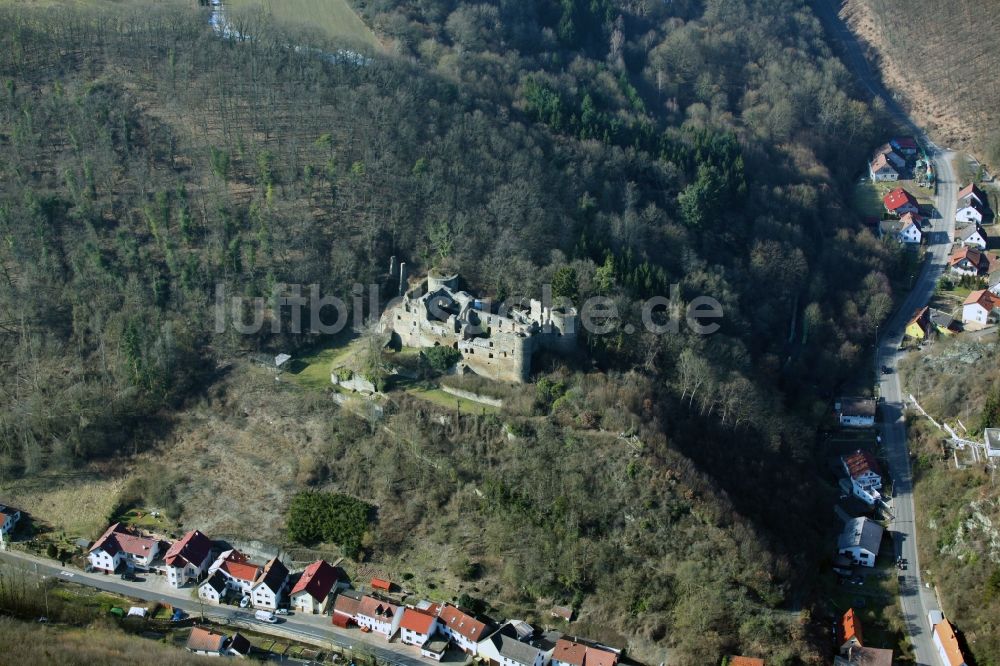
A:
334,17
41,645
941,56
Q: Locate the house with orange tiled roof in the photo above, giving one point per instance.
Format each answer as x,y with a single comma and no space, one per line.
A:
968,261
312,591
121,545
464,630
879,169
573,651
980,309
865,475
745,661
236,569
947,645
849,632
188,559
417,626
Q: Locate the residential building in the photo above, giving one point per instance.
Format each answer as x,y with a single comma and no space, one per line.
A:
313,588
944,323
464,630
574,651
900,202
860,541
947,646
345,608
864,656
905,145
856,412
971,212
991,437
120,545
8,519
269,588
239,573
379,616
435,647
910,230
880,170
205,642
972,234
980,308
508,646
866,477
239,646
972,194
188,559
968,261
213,589
920,327
849,632
417,626
889,153
745,661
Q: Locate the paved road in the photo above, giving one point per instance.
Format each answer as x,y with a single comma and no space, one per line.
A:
915,598
310,628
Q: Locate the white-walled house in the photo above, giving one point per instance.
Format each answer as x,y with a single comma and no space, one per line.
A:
120,545
240,575
8,519
204,642
909,231
417,626
880,170
571,651
269,588
213,589
856,412
973,212
900,202
946,642
972,194
980,308
860,541
973,235
381,617
508,647
311,593
464,630
968,261
187,559
865,475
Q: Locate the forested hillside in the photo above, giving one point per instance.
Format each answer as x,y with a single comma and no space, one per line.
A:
623,146
941,57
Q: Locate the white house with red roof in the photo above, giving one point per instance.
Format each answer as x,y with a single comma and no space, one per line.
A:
571,651
311,592
378,616
186,560
900,202
269,588
910,231
235,567
968,261
120,545
417,626
8,518
980,308
464,630
946,642
865,475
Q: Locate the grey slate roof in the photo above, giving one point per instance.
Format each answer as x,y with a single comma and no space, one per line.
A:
861,532
217,581
509,646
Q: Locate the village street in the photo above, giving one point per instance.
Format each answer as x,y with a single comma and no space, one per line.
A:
313,629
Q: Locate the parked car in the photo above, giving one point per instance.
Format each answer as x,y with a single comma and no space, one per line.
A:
281,611
244,602
265,616
178,615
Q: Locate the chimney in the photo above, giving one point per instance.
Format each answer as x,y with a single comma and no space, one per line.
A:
403,275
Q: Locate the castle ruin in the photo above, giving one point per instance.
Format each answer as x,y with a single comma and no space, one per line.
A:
495,343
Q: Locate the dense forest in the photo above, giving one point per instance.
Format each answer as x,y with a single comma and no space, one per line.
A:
614,148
